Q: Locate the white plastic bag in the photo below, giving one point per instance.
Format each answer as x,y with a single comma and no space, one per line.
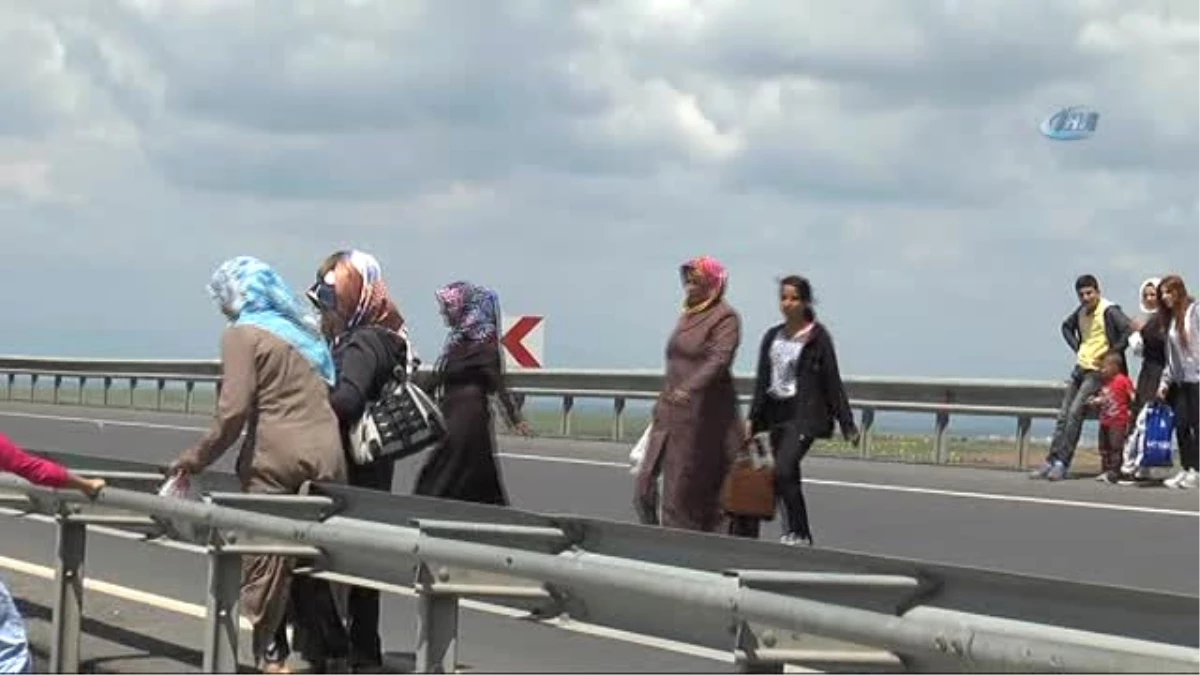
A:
637,454
179,486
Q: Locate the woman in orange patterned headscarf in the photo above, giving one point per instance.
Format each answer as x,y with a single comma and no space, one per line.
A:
370,340
350,289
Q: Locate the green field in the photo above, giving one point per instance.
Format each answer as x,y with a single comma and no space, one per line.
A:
546,421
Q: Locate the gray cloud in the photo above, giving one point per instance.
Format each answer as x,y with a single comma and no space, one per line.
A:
573,153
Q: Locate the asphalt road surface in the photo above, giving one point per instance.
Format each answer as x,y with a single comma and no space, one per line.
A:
1077,529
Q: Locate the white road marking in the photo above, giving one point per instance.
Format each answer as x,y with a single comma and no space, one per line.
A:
986,496
904,488
100,421
116,591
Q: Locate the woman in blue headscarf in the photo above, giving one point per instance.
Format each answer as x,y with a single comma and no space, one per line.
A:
276,373
469,372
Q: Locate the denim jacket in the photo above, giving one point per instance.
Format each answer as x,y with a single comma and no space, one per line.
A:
14,646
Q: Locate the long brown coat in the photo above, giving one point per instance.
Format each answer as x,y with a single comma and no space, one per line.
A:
691,444
270,391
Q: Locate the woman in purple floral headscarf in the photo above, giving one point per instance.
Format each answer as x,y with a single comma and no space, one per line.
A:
468,373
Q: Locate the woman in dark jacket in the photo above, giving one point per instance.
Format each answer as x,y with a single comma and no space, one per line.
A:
469,372
1149,341
798,395
370,340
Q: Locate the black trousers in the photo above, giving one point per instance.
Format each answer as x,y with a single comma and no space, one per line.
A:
319,632
1185,400
790,446
366,647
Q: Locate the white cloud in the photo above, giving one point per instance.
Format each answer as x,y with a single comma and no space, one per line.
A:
573,153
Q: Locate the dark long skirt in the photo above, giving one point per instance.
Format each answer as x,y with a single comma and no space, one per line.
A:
464,467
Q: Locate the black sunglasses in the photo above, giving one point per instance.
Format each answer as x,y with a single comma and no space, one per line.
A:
322,295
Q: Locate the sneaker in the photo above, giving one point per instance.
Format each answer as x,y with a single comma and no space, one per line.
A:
793,539
1041,472
1109,477
1057,472
1127,479
1190,480
1174,481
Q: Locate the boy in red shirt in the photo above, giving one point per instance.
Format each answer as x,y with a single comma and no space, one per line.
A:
1114,403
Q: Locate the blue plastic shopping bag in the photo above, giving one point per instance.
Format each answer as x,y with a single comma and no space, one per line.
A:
1156,442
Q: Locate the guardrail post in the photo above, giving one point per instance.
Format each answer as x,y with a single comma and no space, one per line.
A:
162,384
437,626
1024,422
33,387
221,619
12,380
57,388
746,653
68,596
867,431
568,402
618,427
189,396
133,383
941,447
82,384
107,389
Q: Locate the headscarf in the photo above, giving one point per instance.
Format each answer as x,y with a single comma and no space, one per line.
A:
472,311
1152,281
711,277
362,296
256,295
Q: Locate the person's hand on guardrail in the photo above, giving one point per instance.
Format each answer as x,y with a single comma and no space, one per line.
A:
185,463
88,486
524,429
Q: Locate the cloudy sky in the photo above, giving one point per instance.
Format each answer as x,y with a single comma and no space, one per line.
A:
572,154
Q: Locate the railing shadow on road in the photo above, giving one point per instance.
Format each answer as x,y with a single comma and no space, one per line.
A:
147,647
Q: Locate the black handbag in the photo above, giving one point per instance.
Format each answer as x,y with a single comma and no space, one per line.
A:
403,421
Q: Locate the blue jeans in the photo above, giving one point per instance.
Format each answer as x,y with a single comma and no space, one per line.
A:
1081,385
14,645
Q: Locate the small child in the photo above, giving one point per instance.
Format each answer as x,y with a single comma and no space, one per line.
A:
1114,402
14,646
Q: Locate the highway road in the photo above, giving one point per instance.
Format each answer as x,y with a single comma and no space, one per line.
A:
1078,529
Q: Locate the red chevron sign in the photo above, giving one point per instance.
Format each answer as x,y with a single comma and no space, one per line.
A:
522,341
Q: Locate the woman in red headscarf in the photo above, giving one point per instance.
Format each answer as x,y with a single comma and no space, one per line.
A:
696,429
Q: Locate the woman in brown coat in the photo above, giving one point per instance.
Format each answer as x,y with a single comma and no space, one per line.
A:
276,373
695,426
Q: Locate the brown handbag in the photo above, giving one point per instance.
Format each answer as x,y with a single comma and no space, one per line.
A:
749,487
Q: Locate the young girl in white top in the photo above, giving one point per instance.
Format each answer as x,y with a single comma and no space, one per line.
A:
1180,382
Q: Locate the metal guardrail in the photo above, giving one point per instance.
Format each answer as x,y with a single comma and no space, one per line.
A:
765,603
1023,401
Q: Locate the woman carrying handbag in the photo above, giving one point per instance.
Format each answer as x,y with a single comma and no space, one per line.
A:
798,394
